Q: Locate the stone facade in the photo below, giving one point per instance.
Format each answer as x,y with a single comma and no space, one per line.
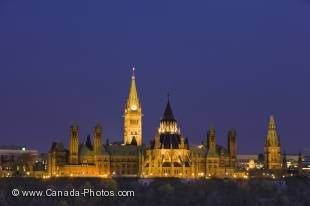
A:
168,155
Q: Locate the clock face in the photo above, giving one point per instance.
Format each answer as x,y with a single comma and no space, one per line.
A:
133,107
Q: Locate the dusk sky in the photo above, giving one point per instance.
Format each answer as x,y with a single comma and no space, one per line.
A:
226,64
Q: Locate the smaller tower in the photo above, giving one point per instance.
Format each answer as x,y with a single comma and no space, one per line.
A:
74,144
284,161
211,141
272,147
299,160
232,147
97,139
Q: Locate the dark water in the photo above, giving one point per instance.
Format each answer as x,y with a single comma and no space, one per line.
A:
162,192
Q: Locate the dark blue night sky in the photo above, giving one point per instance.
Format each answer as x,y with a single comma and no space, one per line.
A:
226,63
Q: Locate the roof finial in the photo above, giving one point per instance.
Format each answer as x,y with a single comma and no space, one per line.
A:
168,97
133,73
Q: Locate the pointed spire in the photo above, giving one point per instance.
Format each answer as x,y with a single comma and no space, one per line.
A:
272,122
168,114
88,142
133,73
272,137
133,99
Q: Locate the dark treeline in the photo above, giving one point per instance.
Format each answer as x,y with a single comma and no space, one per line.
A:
257,192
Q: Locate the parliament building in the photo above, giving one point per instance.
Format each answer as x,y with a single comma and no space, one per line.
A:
168,155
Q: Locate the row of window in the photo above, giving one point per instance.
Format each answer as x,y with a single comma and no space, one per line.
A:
134,122
174,172
123,165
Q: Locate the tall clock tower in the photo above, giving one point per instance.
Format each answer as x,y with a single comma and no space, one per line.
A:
133,116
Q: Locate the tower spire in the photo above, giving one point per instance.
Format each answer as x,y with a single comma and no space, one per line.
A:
133,99
272,137
168,114
133,73
272,122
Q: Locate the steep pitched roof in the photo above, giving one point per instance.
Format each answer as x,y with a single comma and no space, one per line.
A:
133,98
168,114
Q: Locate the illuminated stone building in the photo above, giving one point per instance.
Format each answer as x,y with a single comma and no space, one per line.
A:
19,162
98,159
272,146
168,155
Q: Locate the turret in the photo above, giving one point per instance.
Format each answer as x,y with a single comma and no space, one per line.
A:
232,146
97,139
74,144
284,161
211,141
272,146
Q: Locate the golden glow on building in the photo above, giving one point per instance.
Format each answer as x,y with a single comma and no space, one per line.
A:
168,155
272,146
133,116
